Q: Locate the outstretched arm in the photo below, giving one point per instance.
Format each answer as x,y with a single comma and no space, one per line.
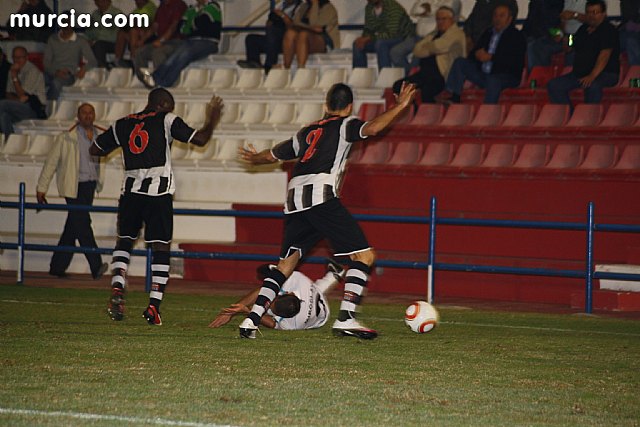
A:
381,122
240,306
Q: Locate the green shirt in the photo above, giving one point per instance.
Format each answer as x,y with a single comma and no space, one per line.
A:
392,23
148,9
100,32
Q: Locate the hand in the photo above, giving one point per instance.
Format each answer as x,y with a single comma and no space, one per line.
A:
41,199
483,56
361,42
214,109
566,15
62,73
586,81
247,154
406,95
220,320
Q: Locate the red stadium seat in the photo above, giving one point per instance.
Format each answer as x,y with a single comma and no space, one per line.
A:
458,115
436,153
468,155
586,115
566,156
500,155
552,115
376,152
619,115
406,153
520,115
427,115
542,75
630,158
369,110
600,156
488,115
532,156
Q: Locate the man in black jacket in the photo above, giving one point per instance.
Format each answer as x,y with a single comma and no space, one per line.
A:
495,63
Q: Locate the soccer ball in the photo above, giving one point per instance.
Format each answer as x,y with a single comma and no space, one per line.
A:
421,317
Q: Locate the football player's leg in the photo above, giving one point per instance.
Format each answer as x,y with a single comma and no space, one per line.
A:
355,283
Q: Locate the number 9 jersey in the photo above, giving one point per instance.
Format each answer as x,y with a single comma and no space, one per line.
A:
145,139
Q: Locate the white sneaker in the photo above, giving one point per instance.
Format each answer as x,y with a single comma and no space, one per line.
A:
353,328
248,329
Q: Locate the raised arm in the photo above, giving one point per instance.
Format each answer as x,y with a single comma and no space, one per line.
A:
381,122
213,114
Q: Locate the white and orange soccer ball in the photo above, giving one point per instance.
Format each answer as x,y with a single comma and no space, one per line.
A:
421,317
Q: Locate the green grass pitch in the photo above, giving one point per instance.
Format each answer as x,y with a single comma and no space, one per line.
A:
63,362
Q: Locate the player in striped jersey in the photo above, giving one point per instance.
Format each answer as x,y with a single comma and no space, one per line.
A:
147,192
301,303
313,209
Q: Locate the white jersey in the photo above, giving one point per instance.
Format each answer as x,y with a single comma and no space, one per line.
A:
314,309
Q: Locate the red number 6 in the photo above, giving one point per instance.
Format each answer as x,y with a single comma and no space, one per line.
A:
137,132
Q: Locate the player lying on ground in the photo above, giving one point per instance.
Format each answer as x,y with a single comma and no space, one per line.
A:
313,210
147,192
301,303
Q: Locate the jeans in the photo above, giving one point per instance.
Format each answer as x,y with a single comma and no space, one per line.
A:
77,227
630,42
381,47
55,84
190,50
540,51
429,81
560,87
270,44
12,112
467,69
399,53
158,55
100,50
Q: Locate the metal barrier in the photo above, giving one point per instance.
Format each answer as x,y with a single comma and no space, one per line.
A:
431,266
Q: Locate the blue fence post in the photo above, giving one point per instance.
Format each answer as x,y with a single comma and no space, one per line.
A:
147,280
20,278
432,252
588,298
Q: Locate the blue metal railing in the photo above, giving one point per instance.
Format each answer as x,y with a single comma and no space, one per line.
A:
431,266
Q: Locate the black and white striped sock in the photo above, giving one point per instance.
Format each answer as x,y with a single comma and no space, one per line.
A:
270,288
119,266
159,276
354,288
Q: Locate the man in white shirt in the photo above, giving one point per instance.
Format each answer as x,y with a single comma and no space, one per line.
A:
301,303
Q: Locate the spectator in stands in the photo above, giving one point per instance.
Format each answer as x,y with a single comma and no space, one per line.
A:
386,24
495,62
4,73
597,58
31,32
79,175
67,57
25,94
630,30
314,30
436,52
201,26
134,37
425,24
571,17
542,27
271,42
480,18
102,39
163,39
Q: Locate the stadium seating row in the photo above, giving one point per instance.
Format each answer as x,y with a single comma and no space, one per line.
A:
587,120
243,82
487,154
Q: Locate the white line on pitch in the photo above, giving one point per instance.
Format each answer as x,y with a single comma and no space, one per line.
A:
102,417
535,328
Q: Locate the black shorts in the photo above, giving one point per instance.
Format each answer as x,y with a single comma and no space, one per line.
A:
330,220
155,212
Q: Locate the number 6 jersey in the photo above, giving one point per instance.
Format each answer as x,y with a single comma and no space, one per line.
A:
322,149
145,139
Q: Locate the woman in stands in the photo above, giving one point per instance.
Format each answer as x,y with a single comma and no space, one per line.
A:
313,29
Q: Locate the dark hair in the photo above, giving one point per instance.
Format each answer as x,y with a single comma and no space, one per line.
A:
602,3
160,97
287,305
339,97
